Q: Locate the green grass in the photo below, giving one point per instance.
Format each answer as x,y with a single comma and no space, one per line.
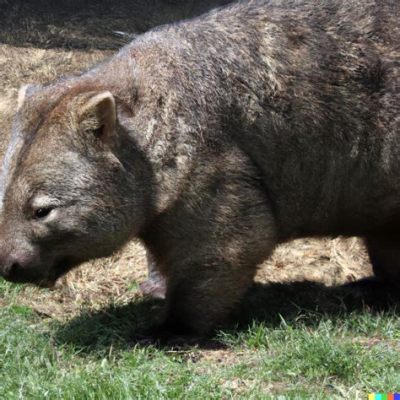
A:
311,344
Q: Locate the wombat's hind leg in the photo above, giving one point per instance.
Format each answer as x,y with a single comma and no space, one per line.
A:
384,252
156,284
154,288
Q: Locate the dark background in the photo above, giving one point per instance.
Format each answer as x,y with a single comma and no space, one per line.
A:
89,24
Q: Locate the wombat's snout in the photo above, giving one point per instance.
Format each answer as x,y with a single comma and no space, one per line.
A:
17,266
9,268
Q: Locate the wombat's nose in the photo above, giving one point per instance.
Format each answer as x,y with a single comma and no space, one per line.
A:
17,269
9,269
18,264
11,263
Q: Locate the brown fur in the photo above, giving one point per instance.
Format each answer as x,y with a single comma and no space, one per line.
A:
213,140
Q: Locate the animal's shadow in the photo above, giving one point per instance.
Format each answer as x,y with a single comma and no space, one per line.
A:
130,325
85,24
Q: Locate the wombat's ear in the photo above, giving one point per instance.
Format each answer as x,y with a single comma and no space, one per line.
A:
23,93
98,114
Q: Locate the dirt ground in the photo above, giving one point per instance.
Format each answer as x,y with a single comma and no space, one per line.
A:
39,43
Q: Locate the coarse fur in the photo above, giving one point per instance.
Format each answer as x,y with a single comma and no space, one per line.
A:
212,140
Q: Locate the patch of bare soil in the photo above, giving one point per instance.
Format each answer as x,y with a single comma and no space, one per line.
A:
41,45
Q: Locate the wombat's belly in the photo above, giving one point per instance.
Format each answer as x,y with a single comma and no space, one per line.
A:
326,202
327,190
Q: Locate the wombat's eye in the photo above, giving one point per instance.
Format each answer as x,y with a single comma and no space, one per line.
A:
42,212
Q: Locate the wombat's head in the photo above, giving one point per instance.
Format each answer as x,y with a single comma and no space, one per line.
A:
67,190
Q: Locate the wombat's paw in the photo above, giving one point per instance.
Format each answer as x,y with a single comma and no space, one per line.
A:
155,289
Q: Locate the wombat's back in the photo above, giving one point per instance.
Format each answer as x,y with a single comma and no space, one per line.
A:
310,92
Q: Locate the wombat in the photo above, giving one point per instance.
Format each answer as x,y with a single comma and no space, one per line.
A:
212,140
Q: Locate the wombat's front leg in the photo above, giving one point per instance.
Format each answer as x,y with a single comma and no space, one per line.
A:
208,247
204,298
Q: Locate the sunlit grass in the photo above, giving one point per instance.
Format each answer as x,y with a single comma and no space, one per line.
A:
99,356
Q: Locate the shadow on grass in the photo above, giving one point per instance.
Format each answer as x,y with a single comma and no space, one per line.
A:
123,327
87,24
